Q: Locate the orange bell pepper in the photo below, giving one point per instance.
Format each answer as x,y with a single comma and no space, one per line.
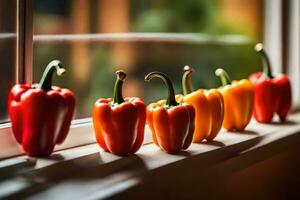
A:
209,106
119,123
238,101
171,123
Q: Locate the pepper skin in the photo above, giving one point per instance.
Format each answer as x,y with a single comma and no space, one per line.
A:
209,106
119,124
41,113
171,123
272,95
238,101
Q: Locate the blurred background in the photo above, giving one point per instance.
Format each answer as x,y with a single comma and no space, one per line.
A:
94,38
91,39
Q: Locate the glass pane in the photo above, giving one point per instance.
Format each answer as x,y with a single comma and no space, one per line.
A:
8,52
103,36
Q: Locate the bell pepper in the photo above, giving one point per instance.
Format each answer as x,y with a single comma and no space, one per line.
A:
119,123
209,106
41,113
171,123
272,94
238,101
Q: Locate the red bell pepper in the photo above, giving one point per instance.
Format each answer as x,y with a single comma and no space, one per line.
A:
119,124
272,94
41,113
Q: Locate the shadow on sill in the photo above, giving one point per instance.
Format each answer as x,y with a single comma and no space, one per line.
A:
83,169
214,143
92,169
289,122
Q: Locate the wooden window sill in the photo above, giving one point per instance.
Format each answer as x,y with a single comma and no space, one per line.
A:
88,172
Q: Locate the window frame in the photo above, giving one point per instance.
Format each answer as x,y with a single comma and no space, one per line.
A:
76,137
292,61
24,52
24,41
282,41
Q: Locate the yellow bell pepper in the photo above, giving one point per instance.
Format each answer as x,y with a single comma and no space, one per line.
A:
238,101
209,108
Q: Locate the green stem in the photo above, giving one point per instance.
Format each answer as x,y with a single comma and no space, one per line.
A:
266,61
118,98
46,80
186,80
225,79
171,101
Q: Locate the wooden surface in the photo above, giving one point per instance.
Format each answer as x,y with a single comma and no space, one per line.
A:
261,162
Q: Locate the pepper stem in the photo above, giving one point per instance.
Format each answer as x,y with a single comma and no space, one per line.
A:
118,98
225,79
171,101
266,61
46,80
186,80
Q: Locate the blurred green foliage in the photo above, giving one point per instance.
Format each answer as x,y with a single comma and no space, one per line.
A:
182,16
174,16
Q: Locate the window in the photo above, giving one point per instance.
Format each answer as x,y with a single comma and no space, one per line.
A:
93,38
141,36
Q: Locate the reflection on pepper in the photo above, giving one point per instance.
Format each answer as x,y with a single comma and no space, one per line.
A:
171,123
